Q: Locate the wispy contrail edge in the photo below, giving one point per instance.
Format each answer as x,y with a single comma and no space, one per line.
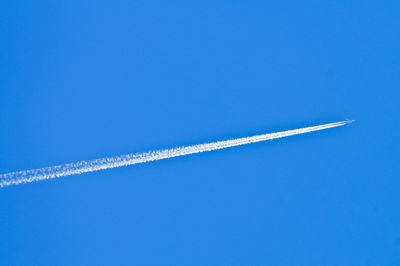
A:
28,176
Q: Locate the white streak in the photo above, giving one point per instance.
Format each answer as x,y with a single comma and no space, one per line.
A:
28,176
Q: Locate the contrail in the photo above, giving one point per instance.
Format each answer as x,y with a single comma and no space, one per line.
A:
28,176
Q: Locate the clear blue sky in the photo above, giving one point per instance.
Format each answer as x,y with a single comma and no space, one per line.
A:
82,80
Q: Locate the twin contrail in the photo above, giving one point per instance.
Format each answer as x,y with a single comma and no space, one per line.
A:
28,176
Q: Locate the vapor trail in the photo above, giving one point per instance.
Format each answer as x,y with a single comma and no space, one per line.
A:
15,178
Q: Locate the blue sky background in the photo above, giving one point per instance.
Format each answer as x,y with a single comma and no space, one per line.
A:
86,79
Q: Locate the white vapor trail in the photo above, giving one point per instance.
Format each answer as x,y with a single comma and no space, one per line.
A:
15,178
